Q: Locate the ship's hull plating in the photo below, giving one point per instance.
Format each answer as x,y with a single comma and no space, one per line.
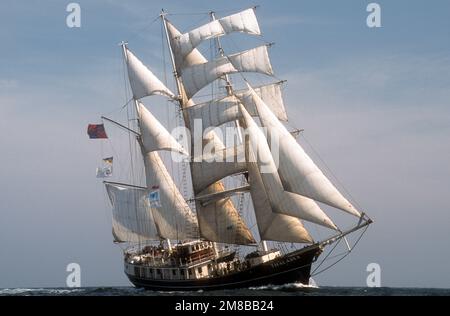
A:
290,268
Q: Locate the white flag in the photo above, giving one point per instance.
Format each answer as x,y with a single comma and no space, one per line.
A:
104,172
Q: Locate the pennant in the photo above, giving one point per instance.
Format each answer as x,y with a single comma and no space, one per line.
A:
153,198
96,131
104,172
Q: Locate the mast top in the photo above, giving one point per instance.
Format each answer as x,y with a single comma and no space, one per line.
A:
163,13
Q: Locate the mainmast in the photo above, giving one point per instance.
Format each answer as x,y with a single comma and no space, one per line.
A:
228,86
181,97
218,219
229,89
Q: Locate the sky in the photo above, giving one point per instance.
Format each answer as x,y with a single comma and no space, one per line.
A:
374,103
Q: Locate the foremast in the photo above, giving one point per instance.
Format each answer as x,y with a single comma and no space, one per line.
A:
139,139
166,216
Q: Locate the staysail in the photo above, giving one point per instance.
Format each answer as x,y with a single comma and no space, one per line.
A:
154,135
142,81
281,201
299,173
271,225
173,216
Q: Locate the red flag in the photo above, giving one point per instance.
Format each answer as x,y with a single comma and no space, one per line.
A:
96,131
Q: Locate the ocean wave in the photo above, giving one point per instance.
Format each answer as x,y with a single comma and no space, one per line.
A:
287,286
268,290
39,291
15,291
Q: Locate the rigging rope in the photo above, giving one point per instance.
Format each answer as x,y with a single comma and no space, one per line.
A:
124,70
331,172
314,273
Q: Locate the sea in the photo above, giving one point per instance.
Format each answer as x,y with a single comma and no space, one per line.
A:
293,289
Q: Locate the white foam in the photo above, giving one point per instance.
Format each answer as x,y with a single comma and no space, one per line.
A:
286,286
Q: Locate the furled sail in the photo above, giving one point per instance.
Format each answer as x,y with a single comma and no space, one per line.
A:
299,173
220,111
244,21
132,219
154,135
191,59
281,201
173,216
198,76
142,81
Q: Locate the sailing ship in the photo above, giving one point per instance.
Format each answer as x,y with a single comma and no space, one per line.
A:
178,242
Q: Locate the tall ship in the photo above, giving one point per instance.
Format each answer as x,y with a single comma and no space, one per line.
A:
201,211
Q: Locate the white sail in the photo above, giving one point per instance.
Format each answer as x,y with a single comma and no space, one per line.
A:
271,95
173,216
271,225
183,61
214,167
186,42
132,219
244,21
299,173
154,135
198,76
252,60
281,201
219,220
142,81
220,111
215,112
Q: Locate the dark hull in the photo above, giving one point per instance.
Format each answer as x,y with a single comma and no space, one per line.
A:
290,268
